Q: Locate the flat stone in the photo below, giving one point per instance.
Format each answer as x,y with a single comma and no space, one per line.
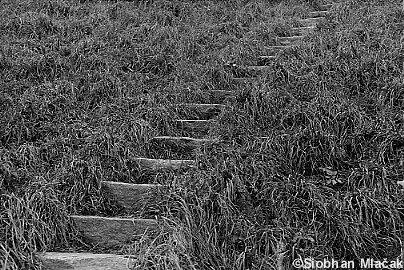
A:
311,21
304,30
266,60
202,107
128,195
222,95
199,126
83,261
330,6
322,13
273,50
184,142
164,164
206,111
267,57
109,232
243,71
258,68
245,80
289,40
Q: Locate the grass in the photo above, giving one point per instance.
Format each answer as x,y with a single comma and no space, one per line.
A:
86,85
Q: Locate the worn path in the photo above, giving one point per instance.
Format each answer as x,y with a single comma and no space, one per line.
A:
112,232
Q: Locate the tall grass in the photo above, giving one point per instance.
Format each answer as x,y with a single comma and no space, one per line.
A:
86,85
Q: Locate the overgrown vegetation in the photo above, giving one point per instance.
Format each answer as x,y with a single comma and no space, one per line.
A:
85,85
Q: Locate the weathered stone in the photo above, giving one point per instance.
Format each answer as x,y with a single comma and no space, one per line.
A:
311,21
273,50
84,261
128,195
183,142
205,111
266,60
164,164
245,80
321,13
304,30
258,68
109,232
289,40
330,6
247,71
222,95
199,126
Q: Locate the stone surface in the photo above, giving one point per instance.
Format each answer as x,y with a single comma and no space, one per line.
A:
330,6
184,142
311,21
304,30
315,14
128,195
84,261
266,60
245,80
273,50
222,95
289,40
164,164
199,126
205,111
258,68
241,71
109,232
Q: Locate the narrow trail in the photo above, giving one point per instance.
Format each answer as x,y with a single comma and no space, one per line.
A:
109,232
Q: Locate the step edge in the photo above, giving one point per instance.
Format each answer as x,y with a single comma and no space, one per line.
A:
195,120
132,184
42,254
183,138
161,159
113,218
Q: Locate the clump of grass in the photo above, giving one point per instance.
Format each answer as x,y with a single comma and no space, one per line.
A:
33,222
318,110
86,85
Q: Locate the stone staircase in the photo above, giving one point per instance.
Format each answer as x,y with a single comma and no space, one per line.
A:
109,232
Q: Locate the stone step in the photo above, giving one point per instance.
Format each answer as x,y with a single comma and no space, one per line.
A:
330,6
304,30
203,107
183,142
289,40
315,14
195,126
245,80
312,21
274,50
112,231
222,95
327,6
239,71
128,195
204,111
247,71
84,261
258,68
265,60
156,165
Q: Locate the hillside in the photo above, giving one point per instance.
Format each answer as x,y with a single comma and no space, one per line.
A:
236,134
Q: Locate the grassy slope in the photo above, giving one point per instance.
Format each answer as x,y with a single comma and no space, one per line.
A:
85,85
